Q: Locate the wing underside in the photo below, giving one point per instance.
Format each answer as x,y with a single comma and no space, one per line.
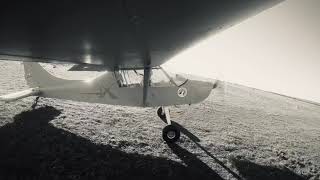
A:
114,33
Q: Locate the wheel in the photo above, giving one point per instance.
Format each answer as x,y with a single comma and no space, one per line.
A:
161,114
170,134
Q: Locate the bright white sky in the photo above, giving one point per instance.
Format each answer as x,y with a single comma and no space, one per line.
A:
277,50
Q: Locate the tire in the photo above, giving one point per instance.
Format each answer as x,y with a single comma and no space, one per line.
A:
170,134
161,115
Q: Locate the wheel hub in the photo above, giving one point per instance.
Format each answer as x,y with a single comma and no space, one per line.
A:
171,134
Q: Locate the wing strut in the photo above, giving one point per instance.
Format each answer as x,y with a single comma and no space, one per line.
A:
146,84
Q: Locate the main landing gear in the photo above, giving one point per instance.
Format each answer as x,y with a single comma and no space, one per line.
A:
170,133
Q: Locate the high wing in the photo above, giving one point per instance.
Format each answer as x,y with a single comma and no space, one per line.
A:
114,33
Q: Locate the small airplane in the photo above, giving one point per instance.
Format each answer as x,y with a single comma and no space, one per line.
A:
128,39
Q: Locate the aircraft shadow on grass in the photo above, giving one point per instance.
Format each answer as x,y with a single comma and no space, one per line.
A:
252,171
31,148
248,170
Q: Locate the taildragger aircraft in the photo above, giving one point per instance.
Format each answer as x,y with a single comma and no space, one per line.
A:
128,39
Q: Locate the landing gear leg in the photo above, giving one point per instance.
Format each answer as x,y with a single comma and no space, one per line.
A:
35,103
170,133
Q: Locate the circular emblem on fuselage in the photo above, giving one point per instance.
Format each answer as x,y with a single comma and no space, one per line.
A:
182,92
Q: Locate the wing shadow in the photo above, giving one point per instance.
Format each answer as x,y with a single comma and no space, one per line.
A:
31,148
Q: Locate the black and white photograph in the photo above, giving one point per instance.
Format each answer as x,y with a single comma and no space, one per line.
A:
150,89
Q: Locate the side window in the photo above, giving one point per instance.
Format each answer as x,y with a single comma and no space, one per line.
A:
129,78
158,78
161,78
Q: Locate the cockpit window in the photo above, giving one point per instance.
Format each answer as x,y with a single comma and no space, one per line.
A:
158,78
161,78
129,78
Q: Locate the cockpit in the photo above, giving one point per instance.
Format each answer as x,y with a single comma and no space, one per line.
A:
158,78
